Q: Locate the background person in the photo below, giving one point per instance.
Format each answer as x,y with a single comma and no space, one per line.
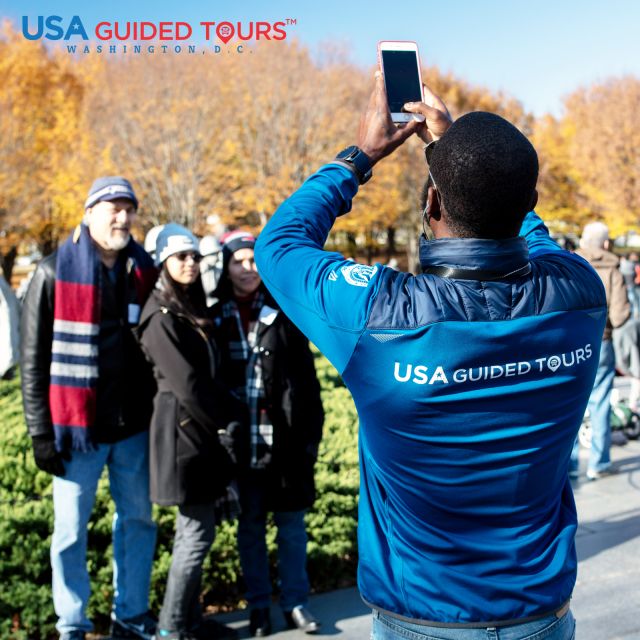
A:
470,379
87,393
151,238
628,270
189,466
268,362
9,329
210,266
594,245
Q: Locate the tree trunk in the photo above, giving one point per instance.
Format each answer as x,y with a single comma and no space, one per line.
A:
8,260
413,257
391,242
369,240
352,246
47,244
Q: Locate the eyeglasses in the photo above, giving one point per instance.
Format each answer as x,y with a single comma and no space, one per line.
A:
428,153
196,257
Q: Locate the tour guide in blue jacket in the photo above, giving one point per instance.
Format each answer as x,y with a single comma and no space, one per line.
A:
470,379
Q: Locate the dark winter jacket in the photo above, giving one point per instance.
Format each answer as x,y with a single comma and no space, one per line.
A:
292,401
188,464
125,381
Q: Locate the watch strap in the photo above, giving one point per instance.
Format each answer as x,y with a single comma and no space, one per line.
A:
358,161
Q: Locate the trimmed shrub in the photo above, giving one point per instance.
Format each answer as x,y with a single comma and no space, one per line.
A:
26,517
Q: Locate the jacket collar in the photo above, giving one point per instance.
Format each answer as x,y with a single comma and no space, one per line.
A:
474,253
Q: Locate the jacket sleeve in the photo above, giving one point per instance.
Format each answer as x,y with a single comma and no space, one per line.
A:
535,232
328,297
207,401
619,309
35,349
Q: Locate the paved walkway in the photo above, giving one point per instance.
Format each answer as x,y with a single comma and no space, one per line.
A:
606,599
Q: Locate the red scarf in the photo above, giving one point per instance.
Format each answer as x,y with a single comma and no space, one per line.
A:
76,332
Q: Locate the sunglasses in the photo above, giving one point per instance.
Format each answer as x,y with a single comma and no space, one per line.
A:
196,257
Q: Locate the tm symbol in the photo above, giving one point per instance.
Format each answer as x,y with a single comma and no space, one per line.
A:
291,21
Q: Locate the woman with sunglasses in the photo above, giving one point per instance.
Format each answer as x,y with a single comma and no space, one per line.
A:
189,466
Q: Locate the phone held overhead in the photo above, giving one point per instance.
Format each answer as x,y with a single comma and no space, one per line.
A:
400,65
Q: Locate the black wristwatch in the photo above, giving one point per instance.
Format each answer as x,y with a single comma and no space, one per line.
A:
358,161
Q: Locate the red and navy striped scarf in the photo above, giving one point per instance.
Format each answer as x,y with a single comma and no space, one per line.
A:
76,332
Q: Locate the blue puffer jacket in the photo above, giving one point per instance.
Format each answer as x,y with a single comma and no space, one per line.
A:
469,394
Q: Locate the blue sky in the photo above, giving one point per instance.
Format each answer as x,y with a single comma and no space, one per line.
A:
535,51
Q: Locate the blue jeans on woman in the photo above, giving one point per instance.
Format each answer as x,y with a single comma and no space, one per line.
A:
252,545
134,532
551,627
195,532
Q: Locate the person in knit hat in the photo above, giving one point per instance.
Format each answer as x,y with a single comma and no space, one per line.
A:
268,363
87,392
190,468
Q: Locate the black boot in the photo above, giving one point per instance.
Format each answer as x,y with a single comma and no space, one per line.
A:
260,623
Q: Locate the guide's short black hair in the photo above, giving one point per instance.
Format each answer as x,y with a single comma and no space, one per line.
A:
486,172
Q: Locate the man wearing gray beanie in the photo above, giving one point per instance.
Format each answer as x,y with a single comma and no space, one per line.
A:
87,393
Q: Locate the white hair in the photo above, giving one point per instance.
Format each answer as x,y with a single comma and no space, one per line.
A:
594,236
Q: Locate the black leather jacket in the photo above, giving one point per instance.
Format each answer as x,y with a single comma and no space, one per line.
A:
125,380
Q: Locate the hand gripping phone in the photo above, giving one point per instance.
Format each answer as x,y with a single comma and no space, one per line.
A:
400,65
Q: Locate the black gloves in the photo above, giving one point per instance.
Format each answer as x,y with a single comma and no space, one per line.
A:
46,456
229,439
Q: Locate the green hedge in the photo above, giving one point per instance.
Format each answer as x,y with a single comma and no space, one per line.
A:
26,516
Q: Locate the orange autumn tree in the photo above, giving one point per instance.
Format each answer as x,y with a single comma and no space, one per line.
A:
590,157
41,143
162,121
235,135
561,201
605,149
291,114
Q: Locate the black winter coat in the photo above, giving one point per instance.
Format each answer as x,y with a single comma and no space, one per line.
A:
188,464
125,381
293,405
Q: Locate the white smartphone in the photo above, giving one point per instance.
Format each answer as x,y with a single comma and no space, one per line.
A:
400,65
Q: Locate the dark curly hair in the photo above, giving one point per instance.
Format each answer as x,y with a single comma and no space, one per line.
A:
486,172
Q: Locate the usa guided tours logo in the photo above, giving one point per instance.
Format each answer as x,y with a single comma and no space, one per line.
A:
206,36
425,374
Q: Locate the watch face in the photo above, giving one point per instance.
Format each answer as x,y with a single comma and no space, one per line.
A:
358,160
349,151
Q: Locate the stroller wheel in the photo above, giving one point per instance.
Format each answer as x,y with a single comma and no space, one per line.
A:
584,434
632,428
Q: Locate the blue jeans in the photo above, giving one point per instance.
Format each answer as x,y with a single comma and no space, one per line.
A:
195,532
633,294
600,412
549,628
292,550
134,532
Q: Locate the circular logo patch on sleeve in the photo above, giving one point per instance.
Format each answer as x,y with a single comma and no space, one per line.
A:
358,275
